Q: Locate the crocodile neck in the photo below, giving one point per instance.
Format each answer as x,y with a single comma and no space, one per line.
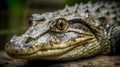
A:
115,40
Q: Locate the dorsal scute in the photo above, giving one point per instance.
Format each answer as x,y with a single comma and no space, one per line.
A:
110,10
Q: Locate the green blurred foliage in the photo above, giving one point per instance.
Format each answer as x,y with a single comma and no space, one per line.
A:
16,9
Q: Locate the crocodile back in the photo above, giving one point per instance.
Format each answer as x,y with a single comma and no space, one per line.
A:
109,11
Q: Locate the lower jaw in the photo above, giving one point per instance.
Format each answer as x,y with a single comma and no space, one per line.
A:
47,54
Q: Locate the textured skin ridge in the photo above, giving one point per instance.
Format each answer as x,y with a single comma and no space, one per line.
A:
75,32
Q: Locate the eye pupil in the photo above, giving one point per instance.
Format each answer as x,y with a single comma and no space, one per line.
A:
60,24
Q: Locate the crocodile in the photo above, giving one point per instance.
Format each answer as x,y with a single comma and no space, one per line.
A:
75,32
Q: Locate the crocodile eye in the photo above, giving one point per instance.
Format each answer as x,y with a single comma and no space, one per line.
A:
61,24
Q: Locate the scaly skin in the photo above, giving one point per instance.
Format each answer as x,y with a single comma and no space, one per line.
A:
75,32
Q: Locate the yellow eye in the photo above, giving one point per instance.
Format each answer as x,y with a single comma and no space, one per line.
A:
60,24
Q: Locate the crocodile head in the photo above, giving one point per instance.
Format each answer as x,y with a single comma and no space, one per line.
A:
61,35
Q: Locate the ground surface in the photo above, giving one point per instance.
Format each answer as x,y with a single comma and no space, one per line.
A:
97,61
